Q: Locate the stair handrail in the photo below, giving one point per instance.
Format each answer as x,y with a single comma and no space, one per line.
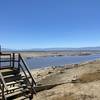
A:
27,69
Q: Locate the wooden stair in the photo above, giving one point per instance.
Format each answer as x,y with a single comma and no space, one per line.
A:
17,89
16,85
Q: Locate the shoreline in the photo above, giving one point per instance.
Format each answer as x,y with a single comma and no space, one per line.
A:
52,69
70,83
65,65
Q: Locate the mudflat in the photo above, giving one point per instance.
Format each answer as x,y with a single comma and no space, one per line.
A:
57,53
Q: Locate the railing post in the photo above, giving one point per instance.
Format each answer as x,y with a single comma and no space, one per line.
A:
3,97
19,61
10,60
13,60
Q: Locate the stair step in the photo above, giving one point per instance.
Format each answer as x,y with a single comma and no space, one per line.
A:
22,98
11,78
14,82
17,94
9,71
11,83
11,95
26,91
11,89
8,76
26,97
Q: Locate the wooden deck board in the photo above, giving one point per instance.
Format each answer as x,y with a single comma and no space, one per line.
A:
5,70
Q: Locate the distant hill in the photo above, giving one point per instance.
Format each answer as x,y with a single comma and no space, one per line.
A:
58,49
52,49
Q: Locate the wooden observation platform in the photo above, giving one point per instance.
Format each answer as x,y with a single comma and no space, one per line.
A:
16,81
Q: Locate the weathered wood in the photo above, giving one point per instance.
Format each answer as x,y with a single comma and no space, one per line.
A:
3,86
12,75
3,81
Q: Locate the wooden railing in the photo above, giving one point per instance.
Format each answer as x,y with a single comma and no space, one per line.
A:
3,86
16,61
6,58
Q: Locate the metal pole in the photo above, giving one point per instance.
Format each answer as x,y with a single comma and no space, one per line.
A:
0,56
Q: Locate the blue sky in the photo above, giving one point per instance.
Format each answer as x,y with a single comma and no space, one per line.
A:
49,23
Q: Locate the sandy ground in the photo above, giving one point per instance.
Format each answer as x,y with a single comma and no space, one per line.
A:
81,82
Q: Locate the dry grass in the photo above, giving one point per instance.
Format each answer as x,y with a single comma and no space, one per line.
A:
89,77
72,96
65,97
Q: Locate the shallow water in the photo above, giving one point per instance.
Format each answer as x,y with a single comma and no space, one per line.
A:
40,62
